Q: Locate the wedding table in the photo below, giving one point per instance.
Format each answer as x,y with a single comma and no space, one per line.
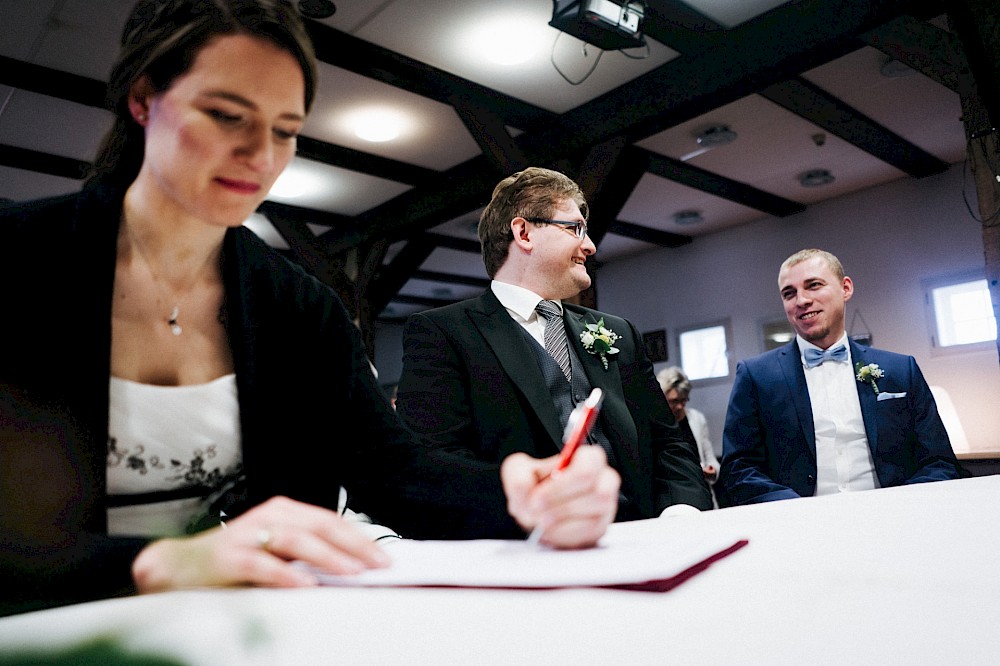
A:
905,575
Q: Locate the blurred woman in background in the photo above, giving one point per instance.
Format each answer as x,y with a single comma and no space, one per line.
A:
677,389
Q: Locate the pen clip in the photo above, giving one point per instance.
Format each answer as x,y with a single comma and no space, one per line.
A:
578,425
574,418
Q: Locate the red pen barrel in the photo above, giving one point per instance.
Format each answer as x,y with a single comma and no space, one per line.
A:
581,421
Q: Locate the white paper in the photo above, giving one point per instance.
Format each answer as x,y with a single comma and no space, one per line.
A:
518,564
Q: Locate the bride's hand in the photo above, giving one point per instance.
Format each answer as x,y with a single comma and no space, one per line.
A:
257,548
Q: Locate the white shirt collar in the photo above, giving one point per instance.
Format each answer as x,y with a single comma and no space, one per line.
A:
518,300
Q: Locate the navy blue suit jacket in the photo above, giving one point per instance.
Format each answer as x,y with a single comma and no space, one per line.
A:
769,443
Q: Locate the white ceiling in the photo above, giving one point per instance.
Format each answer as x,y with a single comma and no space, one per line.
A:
774,145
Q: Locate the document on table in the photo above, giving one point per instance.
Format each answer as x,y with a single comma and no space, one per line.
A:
654,565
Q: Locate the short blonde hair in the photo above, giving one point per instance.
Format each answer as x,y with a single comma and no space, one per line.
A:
806,255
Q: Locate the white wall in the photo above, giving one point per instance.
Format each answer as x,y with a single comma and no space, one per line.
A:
889,239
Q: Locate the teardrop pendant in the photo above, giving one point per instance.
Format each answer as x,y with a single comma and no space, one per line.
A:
175,328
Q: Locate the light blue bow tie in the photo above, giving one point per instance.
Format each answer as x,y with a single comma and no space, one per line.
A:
816,357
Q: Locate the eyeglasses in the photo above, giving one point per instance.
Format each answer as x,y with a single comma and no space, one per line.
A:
579,229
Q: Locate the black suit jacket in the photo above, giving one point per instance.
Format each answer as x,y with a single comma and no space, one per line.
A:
471,384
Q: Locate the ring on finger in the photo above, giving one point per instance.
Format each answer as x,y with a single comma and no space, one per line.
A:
264,540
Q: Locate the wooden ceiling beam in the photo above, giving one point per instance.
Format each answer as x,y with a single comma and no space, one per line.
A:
16,157
649,235
52,82
490,131
977,23
609,173
751,58
926,48
680,26
391,278
346,51
467,280
367,163
748,60
311,254
819,107
745,195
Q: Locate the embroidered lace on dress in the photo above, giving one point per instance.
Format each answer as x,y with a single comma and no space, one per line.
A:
171,449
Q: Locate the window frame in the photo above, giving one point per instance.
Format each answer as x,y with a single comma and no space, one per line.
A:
929,285
727,327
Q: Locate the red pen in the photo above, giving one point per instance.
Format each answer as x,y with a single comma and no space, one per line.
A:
579,425
580,422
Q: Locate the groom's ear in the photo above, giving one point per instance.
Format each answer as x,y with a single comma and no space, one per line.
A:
848,286
521,232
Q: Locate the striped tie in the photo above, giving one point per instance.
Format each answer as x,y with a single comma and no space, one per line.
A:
555,335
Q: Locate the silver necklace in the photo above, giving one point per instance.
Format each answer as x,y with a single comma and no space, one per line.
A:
175,328
175,311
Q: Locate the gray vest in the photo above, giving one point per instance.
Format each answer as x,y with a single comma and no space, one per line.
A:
565,395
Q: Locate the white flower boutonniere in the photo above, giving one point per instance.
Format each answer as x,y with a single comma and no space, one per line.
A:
599,340
867,374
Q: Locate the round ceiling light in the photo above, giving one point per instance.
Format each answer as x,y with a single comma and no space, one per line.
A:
377,124
816,178
717,135
688,217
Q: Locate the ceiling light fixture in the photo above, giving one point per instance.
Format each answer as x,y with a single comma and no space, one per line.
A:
378,124
376,132
716,135
317,9
688,217
816,178
709,138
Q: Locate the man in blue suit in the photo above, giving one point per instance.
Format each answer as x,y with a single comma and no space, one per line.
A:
823,414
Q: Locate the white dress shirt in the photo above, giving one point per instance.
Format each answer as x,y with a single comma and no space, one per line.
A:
843,459
520,304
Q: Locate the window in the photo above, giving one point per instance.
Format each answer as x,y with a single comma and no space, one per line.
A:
961,313
777,333
704,351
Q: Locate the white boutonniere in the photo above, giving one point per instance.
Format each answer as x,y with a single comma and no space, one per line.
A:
599,340
867,374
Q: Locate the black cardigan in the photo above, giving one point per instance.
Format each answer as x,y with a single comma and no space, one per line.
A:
313,418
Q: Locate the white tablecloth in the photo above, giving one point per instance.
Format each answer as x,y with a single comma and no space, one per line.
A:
895,576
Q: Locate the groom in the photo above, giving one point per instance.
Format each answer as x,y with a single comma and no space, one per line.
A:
824,415
496,374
